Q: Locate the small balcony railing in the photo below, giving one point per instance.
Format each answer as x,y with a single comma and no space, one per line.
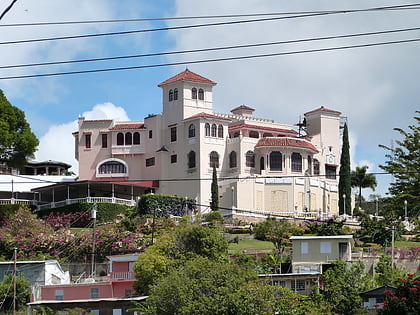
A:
126,275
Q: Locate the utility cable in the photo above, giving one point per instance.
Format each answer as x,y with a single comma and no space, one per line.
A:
7,9
211,60
211,49
395,7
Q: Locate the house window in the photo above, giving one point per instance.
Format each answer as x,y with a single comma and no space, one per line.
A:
330,171
191,159
94,293
250,159
325,247
150,134
232,159
120,138
104,140
171,95
267,134
175,94
59,295
150,161
87,141
136,138
213,130
304,248
112,167
298,285
174,158
236,134
279,283
207,129
310,165
296,162
128,138
316,167
254,134
173,134
194,93
262,164
191,131
201,94
214,159
275,161
220,131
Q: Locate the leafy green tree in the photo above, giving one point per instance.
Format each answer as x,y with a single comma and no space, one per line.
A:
6,292
174,249
403,162
385,273
278,232
17,142
406,298
329,227
214,203
342,287
360,179
344,183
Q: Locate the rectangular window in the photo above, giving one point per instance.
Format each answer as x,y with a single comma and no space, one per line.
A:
104,140
59,295
128,293
87,141
298,285
325,247
330,171
94,293
173,134
174,158
150,162
116,311
304,248
280,283
150,134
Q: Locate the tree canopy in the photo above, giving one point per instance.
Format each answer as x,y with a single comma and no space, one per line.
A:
403,162
17,142
360,179
344,184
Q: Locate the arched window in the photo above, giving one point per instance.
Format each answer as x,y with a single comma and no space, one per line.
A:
220,131
213,130
250,159
175,94
191,131
136,138
171,95
214,159
316,167
310,165
275,161
296,162
207,129
194,93
128,138
254,134
201,94
120,138
232,159
112,167
262,164
191,159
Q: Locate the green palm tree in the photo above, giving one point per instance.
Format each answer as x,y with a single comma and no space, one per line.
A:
360,179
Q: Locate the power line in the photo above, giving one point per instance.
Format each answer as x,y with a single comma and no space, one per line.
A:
321,13
211,60
396,7
7,9
212,49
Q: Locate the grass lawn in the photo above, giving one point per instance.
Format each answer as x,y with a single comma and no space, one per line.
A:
249,244
407,244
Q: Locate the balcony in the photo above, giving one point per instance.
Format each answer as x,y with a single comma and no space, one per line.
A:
126,275
128,149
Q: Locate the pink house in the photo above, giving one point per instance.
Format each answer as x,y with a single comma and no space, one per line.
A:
112,294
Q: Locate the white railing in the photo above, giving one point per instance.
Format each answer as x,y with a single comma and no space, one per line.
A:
135,149
62,203
280,214
125,275
14,201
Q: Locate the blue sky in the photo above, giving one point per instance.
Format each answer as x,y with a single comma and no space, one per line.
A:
376,88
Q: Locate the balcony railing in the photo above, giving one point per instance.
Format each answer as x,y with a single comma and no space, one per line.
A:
127,275
126,202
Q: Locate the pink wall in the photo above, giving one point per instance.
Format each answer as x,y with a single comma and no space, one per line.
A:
76,291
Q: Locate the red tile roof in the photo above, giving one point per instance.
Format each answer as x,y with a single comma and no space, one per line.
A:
285,142
323,109
247,126
135,125
242,107
188,75
206,115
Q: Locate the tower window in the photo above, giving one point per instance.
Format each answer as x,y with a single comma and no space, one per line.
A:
330,171
213,130
250,159
296,162
191,159
88,141
214,159
275,161
201,94
316,167
232,159
175,94
104,140
120,138
191,131
173,134
220,131
171,95
128,138
207,129
136,138
194,93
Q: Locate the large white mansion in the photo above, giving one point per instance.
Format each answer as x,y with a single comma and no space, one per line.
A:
263,167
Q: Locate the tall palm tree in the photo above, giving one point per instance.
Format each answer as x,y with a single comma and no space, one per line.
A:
360,179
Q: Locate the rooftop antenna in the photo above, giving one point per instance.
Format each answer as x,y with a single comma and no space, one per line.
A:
302,126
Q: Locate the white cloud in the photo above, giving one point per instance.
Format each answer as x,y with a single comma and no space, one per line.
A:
58,143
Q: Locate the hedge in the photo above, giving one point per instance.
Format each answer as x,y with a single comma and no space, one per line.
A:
163,206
